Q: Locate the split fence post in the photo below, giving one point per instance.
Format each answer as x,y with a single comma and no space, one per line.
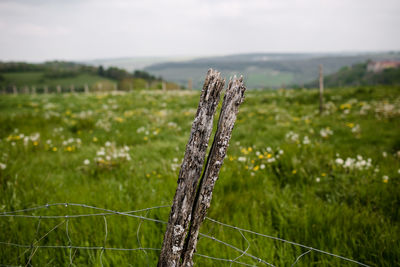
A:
193,198
234,96
321,89
15,91
86,88
190,171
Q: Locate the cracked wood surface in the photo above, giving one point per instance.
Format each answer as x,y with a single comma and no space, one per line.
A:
190,171
234,96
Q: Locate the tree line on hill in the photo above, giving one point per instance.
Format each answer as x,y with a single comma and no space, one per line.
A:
358,75
53,70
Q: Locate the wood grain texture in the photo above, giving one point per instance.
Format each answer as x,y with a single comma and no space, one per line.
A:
190,171
234,96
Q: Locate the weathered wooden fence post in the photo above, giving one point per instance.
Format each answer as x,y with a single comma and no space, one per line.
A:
190,84
72,89
321,89
86,88
192,199
190,171
164,86
59,89
234,96
46,89
15,91
34,90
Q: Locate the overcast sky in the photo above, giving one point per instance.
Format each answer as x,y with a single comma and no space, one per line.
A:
89,29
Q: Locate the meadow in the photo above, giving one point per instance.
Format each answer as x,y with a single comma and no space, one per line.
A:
21,79
329,181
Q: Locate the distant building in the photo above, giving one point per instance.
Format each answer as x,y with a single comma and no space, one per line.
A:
378,66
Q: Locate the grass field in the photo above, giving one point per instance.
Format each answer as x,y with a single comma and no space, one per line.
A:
37,79
331,182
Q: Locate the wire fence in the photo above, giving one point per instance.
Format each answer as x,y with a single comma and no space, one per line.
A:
35,244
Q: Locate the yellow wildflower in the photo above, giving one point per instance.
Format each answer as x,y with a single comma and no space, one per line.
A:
119,119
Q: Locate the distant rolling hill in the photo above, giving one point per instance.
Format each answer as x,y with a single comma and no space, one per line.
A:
263,70
133,63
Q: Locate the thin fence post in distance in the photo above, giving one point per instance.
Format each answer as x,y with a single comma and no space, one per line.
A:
321,89
86,88
234,96
190,171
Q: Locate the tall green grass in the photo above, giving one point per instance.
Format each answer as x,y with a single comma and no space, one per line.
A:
271,182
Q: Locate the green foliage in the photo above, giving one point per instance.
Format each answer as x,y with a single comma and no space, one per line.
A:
55,72
60,73
103,86
358,75
143,75
282,176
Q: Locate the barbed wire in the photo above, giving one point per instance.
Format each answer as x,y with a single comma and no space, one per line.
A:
34,246
287,241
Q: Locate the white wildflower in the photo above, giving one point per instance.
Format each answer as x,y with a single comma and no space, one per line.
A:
86,162
326,132
306,140
339,161
2,166
241,159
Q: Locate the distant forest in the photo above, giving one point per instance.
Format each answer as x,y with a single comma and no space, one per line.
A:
358,74
63,69
69,74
